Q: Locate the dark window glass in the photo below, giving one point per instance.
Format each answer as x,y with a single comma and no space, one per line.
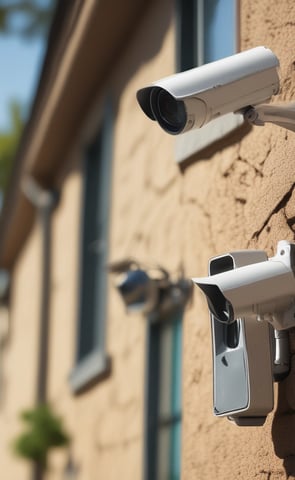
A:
206,31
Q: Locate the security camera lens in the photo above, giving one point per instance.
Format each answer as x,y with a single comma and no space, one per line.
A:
218,305
170,113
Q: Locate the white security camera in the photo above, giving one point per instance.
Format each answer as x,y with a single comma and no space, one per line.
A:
248,356
193,98
265,290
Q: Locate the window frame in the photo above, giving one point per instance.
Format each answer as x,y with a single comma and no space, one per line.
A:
153,421
95,364
195,141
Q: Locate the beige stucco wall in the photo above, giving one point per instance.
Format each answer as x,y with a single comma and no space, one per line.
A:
106,421
19,355
247,202
239,197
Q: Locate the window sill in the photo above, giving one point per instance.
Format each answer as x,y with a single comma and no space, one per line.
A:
194,141
90,370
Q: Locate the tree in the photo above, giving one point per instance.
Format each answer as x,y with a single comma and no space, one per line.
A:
9,142
27,18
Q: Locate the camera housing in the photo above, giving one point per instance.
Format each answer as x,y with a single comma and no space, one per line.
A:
242,356
265,290
248,355
193,98
137,291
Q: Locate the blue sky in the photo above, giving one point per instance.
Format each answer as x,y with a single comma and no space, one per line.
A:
20,62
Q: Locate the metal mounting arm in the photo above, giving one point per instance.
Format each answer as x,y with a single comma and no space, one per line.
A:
282,115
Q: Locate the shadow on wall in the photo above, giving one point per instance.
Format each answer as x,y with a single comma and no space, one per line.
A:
145,42
283,428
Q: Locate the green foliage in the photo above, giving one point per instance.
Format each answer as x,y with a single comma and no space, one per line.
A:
44,431
9,142
27,18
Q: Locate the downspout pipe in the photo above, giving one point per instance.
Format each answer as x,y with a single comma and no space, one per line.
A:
44,201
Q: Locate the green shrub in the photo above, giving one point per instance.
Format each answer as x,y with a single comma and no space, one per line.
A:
43,432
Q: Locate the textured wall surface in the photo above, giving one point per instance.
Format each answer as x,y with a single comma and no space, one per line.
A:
247,201
241,196
18,362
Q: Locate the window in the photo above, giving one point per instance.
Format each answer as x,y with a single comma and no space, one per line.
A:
91,360
163,416
206,31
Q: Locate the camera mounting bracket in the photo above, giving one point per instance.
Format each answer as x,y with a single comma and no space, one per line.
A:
282,115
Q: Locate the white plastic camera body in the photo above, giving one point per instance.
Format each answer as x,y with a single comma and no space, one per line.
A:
193,98
248,354
265,290
242,356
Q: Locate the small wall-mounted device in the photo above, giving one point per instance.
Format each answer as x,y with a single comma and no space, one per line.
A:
242,288
149,290
239,83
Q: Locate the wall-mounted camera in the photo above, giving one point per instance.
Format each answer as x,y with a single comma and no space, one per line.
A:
239,83
265,290
149,289
243,289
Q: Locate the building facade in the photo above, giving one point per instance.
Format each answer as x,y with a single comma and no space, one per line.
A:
94,182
